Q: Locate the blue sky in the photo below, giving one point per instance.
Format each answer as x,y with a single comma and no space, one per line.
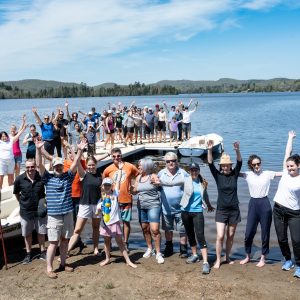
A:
123,41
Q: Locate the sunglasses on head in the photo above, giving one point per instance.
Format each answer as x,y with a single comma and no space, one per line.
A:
171,160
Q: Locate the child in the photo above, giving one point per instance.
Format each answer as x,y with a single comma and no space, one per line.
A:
173,130
91,138
112,226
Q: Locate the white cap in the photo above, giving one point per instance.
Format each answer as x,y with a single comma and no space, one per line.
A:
90,113
107,180
57,161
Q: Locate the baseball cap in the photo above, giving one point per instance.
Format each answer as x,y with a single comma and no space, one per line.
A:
90,113
57,161
107,180
109,111
194,166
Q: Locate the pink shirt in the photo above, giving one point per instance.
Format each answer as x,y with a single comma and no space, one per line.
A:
16,148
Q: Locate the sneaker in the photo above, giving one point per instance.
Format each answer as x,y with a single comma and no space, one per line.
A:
287,265
205,268
27,259
149,253
192,259
169,249
159,258
297,272
131,144
183,251
43,255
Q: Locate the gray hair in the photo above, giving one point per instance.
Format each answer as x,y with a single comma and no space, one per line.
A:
147,164
170,155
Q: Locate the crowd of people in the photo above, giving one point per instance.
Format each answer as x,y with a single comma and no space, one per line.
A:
172,199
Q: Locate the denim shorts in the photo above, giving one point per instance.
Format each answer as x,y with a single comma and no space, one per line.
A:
149,215
18,160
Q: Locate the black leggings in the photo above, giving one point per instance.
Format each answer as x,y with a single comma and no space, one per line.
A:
284,218
194,225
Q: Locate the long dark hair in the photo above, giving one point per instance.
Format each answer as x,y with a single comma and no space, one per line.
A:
295,158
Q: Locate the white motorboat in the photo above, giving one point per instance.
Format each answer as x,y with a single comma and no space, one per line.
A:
10,213
197,145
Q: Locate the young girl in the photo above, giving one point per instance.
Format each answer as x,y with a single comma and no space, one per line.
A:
112,226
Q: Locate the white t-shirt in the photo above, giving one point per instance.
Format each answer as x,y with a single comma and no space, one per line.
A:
162,116
186,115
288,192
259,183
114,211
6,149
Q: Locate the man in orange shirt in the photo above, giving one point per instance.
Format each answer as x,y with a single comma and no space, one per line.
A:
129,171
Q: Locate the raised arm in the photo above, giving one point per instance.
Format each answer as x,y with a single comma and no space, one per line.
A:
38,157
76,165
67,110
236,147
210,145
21,129
289,147
37,117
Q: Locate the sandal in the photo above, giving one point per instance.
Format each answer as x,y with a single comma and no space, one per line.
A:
65,268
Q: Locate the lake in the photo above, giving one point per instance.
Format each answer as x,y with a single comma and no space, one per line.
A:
259,121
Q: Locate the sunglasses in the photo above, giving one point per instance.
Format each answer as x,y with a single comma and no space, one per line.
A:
116,156
30,167
257,164
195,170
171,160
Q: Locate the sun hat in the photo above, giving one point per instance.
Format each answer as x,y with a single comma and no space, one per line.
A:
194,166
57,161
107,180
225,159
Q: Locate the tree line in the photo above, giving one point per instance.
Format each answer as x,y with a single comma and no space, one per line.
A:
141,89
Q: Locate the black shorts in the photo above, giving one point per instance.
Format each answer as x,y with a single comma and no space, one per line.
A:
111,131
230,216
149,130
161,126
49,147
130,129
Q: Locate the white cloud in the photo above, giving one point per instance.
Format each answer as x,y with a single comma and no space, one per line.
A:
49,33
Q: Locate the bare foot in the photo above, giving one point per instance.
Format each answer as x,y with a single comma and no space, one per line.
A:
105,262
96,253
131,264
217,264
261,263
244,261
230,262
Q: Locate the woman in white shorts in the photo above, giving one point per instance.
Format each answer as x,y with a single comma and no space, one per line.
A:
90,195
7,160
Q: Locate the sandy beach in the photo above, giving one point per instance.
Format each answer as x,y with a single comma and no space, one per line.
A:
172,280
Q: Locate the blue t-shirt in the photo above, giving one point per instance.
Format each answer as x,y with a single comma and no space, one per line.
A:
58,193
195,202
47,131
171,195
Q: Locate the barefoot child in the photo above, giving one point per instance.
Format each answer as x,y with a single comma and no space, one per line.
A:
173,126
110,225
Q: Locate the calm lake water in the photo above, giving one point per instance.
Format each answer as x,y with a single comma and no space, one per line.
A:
259,121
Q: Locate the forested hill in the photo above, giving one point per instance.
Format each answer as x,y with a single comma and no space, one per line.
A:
33,88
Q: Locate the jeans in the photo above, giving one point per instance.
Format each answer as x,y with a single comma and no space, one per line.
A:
284,218
194,226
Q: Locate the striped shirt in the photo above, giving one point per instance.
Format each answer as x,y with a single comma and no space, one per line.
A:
58,193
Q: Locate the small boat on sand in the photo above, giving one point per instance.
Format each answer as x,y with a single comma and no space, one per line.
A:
197,145
10,213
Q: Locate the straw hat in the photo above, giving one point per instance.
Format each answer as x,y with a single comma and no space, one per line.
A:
225,159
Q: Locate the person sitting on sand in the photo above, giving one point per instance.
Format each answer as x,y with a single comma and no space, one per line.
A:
286,211
259,209
112,227
228,212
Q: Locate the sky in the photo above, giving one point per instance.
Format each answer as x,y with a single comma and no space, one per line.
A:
123,41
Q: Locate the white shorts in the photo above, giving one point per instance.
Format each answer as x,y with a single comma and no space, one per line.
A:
7,166
88,211
60,226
